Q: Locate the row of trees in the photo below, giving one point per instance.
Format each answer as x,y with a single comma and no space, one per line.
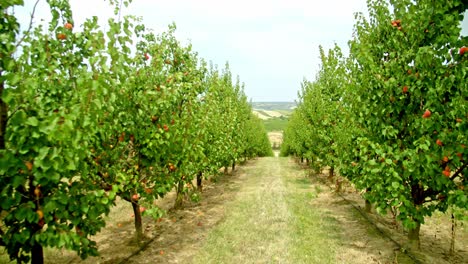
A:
392,117
88,115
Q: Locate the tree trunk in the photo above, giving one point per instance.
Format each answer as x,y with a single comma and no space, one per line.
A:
331,173
226,170
233,165
200,181
418,196
302,159
338,185
368,206
180,196
37,254
452,240
413,236
138,225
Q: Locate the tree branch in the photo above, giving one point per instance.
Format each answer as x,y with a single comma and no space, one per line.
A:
459,171
29,27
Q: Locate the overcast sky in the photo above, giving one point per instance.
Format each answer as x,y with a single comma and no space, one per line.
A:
271,44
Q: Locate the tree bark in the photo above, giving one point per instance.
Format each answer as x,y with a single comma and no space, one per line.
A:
138,225
413,236
368,206
338,185
200,181
331,173
418,195
233,165
37,254
452,239
180,197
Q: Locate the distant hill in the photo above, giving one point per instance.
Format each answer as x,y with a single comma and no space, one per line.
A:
268,110
275,115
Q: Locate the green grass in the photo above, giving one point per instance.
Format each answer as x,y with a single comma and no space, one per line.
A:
271,221
275,124
315,235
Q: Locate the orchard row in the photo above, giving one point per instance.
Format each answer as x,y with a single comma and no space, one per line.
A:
88,116
392,117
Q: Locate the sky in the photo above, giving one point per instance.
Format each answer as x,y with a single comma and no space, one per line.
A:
272,45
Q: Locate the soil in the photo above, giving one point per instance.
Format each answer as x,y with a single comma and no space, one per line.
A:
177,237
435,233
174,238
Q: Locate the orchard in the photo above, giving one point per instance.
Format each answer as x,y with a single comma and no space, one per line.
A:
89,115
392,117
94,115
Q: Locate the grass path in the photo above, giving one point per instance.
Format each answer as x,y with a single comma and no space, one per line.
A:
270,222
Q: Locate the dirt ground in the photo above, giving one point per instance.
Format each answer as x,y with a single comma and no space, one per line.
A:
178,236
435,234
173,238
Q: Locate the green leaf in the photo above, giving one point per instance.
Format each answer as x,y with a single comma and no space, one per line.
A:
71,165
32,121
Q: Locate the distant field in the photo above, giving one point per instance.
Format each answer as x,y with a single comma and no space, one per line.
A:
285,112
273,120
275,124
275,115
267,114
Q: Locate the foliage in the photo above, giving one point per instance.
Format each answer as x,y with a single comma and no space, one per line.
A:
399,102
409,64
